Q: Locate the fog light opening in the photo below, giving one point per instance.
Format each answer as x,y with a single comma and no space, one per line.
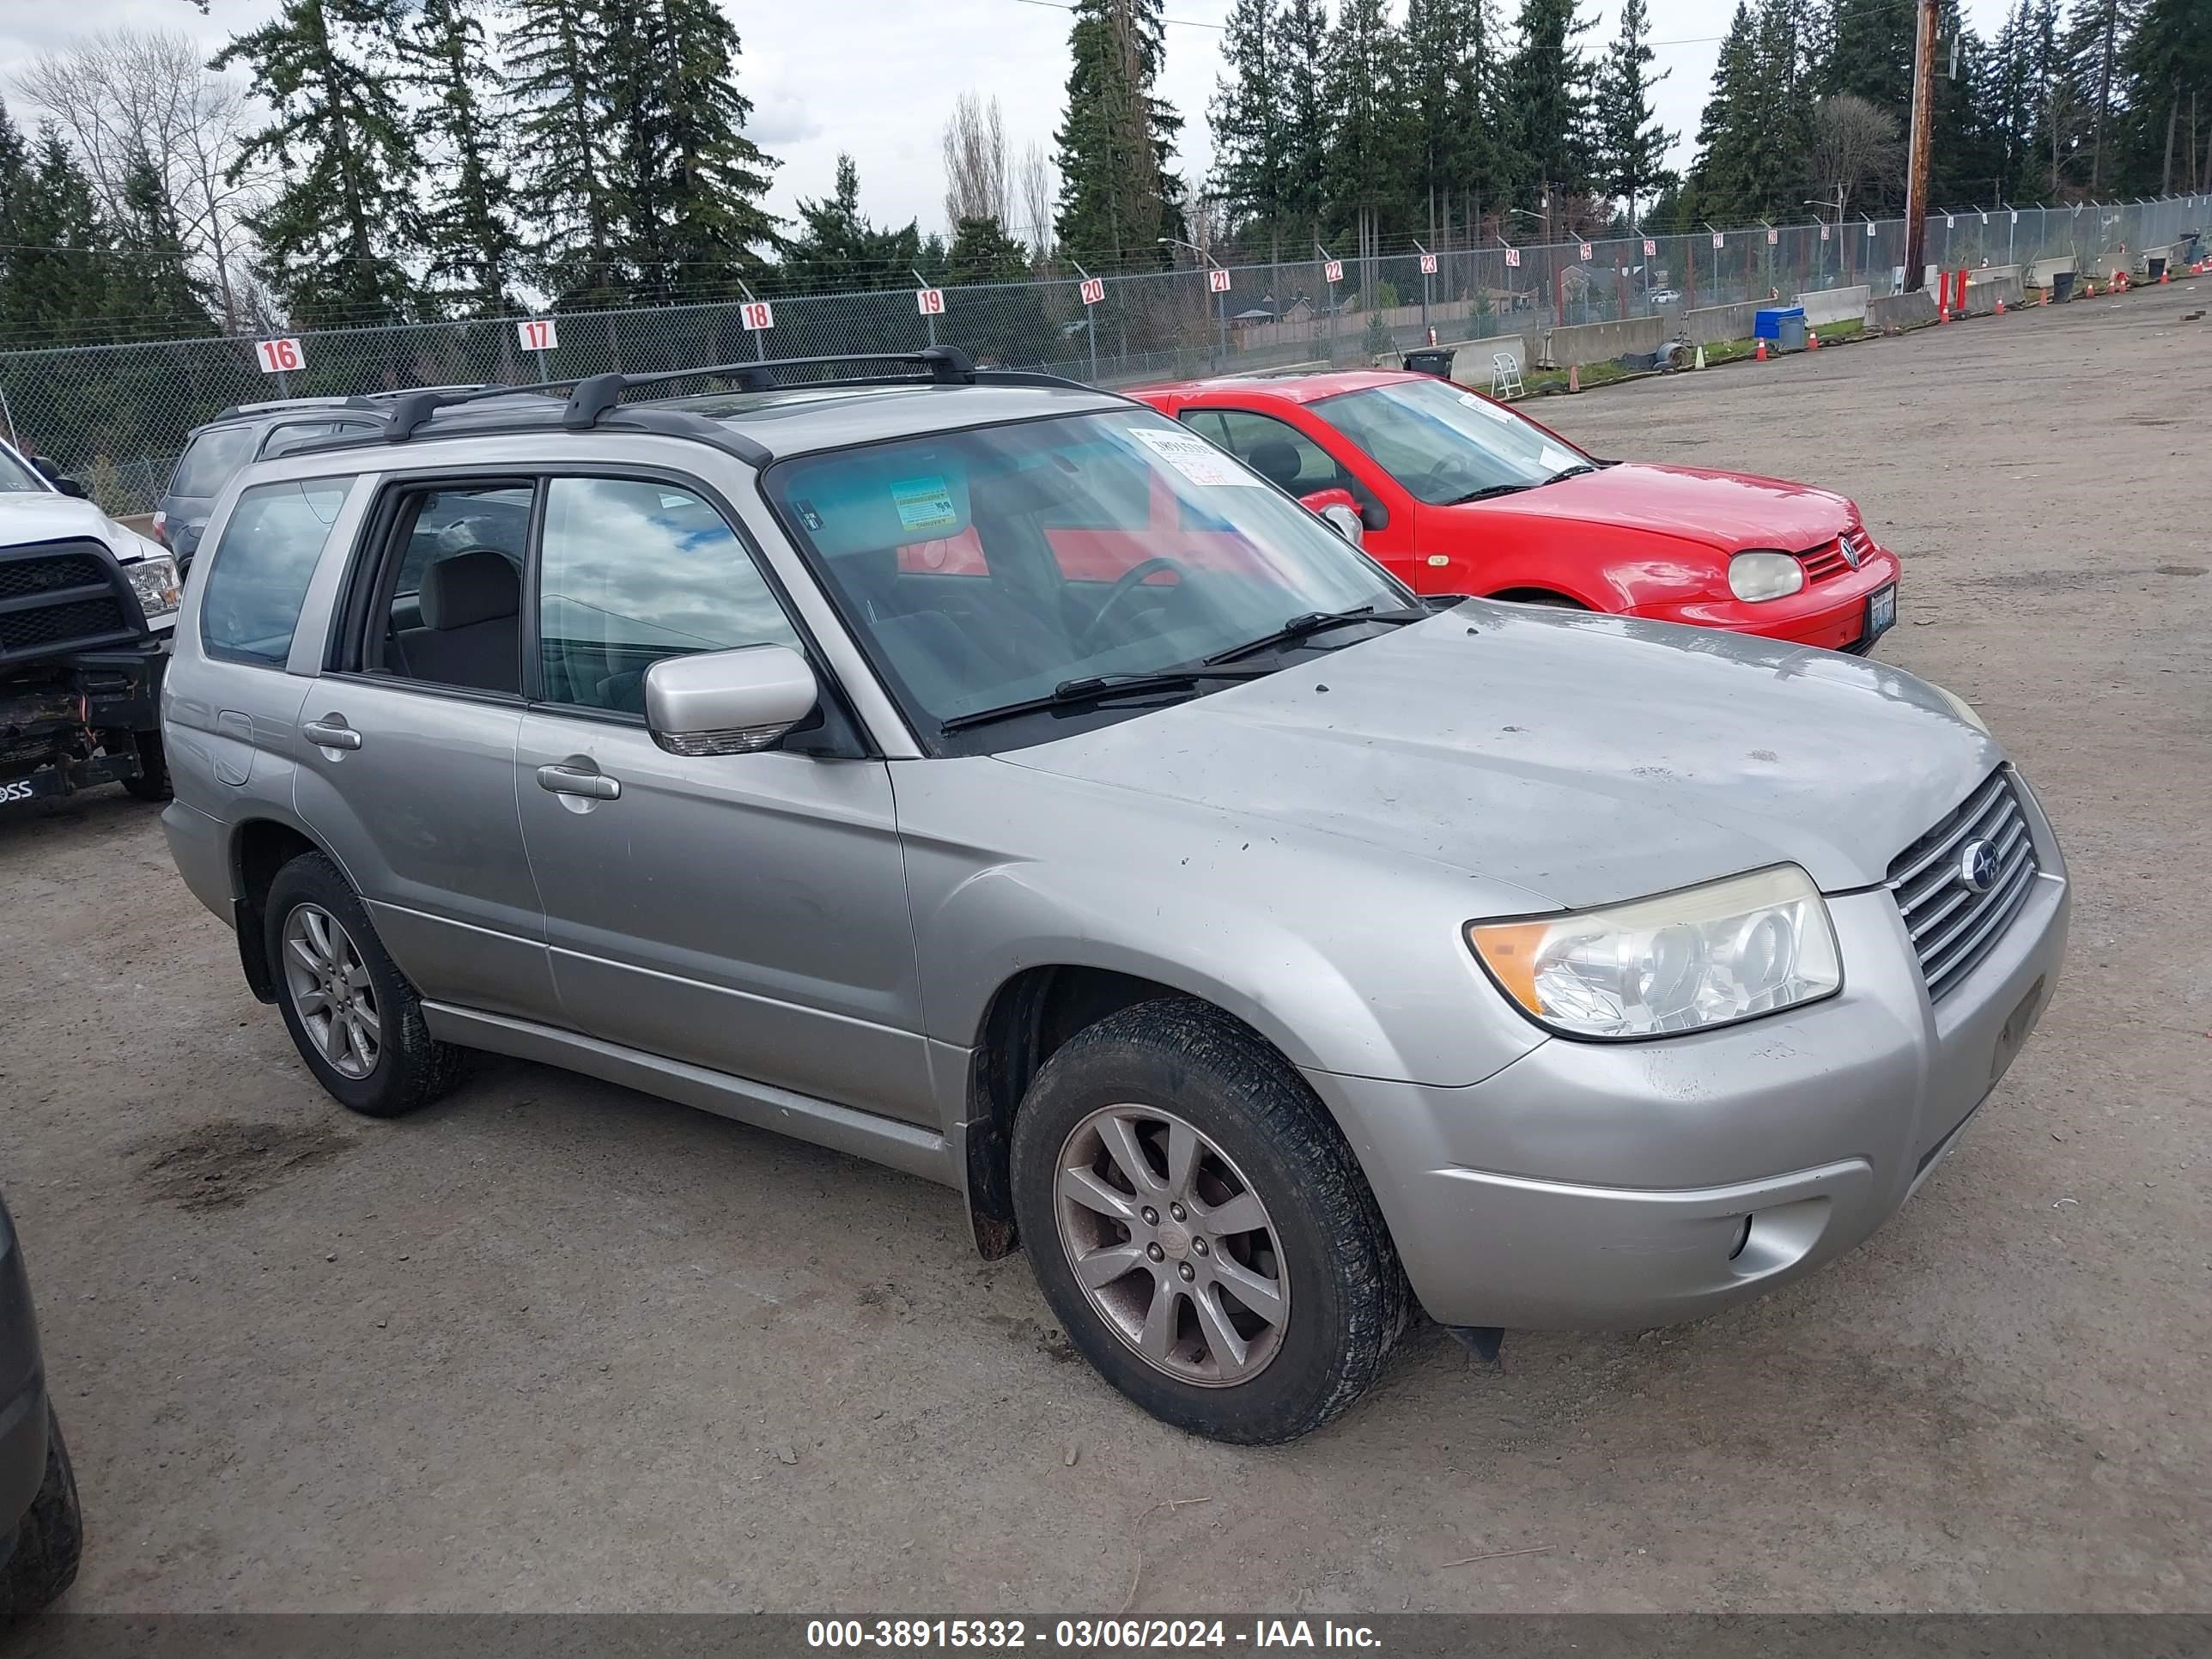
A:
1742,1238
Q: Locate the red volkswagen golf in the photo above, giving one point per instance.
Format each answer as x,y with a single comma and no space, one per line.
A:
1457,494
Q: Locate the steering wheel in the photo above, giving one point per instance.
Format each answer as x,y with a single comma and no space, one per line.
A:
1450,475
1128,583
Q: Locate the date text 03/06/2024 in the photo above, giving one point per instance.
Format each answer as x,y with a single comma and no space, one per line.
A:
1006,1635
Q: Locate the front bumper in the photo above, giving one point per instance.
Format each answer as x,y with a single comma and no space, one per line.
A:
1594,1186
1831,614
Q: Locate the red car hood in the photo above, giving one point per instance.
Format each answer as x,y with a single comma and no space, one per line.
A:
1729,510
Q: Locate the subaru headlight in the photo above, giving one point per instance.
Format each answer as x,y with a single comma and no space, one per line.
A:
1762,575
160,592
1705,956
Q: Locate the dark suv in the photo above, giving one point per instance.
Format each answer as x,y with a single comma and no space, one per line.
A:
215,453
41,1530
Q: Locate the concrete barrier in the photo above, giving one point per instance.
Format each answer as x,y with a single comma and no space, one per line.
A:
1474,360
1985,286
1711,325
1901,310
1599,343
2040,273
1834,305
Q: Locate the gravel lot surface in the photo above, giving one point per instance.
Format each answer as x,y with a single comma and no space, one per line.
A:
554,1346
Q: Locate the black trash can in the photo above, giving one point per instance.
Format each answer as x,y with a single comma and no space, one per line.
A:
1430,359
2062,286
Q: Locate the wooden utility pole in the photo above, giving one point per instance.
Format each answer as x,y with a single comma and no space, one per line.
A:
1923,141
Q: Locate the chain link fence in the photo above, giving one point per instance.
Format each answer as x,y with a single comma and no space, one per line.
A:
117,416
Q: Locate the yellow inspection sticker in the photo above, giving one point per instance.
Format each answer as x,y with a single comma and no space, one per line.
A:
925,504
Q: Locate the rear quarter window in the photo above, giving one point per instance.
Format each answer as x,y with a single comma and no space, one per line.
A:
260,569
211,459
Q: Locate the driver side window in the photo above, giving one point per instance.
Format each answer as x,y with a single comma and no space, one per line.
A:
1277,450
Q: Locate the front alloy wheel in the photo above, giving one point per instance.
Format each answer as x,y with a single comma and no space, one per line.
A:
1172,1246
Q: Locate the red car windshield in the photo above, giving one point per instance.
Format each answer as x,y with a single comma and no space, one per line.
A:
1445,445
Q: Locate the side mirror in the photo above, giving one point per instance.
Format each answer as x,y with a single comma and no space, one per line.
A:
728,702
51,472
1338,510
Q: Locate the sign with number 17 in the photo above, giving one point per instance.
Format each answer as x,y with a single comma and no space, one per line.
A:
538,334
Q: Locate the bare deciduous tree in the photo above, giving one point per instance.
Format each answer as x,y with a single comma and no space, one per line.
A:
975,163
129,94
1855,146
1039,191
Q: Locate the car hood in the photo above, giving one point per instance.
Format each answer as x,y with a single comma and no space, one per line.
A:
1582,758
1731,511
26,517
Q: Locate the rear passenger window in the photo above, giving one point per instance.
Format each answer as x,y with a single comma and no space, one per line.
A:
261,569
452,615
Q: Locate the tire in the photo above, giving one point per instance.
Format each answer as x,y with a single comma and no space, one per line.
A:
48,1542
152,782
388,1071
1343,1294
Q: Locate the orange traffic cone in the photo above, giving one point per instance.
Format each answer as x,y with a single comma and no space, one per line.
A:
2000,304
1574,377
1812,340
1759,356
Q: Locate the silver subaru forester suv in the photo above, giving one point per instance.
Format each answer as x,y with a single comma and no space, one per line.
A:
982,775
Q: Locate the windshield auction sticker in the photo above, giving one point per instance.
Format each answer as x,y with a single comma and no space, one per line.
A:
1192,456
1484,406
925,504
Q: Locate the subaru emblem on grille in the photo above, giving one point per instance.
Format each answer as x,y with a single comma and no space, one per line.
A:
1977,867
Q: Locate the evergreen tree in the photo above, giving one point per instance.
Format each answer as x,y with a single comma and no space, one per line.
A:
981,251
1302,111
2093,43
1721,176
2167,63
334,237
837,249
1251,161
557,69
1117,197
1631,144
687,182
470,241
54,256
1776,131
1452,156
150,292
1365,168
1546,96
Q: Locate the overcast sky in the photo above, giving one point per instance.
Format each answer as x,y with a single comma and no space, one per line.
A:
877,77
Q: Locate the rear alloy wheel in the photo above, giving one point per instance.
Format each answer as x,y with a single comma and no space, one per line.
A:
353,1016
1200,1228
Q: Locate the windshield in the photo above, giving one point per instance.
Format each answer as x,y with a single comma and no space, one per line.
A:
989,567
1445,445
17,478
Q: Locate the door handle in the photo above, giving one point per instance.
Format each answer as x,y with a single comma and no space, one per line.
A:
572,781
330,733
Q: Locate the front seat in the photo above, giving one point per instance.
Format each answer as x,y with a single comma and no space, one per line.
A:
472,632
1278,462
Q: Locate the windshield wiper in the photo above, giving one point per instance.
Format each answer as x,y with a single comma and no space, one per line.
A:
1574,471
1312,623
1097,688
1489,490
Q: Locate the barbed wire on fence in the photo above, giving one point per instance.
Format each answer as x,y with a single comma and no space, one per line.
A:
119,415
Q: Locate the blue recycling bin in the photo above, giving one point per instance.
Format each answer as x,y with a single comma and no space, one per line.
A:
1767,323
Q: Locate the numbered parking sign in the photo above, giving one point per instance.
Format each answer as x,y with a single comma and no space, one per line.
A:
1428,264
1823,233
279,357
538,334
1513,256
1950,223
757,314
1094,291
1716,239
1587,254
1651,248
929,301
1333,271
1217,281
1773,236
1869,230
